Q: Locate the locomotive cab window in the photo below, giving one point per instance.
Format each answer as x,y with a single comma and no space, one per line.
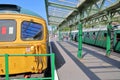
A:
7,30
31,31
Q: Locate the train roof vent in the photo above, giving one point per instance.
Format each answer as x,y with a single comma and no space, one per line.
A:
10,7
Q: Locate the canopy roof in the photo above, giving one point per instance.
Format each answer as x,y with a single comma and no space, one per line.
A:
61,11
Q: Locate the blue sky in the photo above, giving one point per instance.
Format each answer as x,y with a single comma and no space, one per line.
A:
37,6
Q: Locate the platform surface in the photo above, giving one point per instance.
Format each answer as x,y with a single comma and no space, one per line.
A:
93,66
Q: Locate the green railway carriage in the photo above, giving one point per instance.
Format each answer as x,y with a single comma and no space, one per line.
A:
117,40
98,37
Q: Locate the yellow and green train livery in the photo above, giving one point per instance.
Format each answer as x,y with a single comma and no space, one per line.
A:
22,32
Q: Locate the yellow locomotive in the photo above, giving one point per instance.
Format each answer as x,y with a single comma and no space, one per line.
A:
22,32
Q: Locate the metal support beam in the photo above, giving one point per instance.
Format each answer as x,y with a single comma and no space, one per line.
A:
108,46
62,6
109,27
59,35
53,27
53,23
56,17
80,40
70,35
46,6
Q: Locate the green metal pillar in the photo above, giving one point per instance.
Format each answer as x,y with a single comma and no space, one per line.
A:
53,29
53,65
80,40
70,34
6,67
108,46
109,28
59,35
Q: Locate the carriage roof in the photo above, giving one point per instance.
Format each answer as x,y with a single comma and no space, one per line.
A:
101,28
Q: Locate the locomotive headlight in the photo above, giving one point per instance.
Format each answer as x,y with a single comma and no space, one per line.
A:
32,49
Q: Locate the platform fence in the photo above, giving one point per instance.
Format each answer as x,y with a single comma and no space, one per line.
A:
52,60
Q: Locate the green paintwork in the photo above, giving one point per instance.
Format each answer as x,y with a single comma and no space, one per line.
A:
101,40
108,46
117,41
6,67
80,41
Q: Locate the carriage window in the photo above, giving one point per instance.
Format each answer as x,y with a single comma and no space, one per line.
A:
118,36
93,33
87,35
31,31
105,34
7,30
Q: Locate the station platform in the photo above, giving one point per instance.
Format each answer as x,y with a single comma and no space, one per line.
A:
93,66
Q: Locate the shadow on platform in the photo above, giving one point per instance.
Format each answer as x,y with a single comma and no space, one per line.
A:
85,69
100,56
59,60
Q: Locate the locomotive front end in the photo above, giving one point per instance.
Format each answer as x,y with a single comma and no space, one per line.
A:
23,34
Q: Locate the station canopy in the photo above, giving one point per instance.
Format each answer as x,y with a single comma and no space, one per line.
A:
58,11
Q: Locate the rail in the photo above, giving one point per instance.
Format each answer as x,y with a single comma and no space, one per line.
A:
46,78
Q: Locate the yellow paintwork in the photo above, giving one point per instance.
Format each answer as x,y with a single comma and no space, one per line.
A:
24,64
